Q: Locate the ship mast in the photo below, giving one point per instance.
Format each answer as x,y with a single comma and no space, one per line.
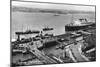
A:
72,19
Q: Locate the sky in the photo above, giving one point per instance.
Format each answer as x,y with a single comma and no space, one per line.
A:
53,6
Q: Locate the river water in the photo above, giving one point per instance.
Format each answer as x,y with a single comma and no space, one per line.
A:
22,21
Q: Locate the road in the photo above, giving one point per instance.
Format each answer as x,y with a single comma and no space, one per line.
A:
76,52
41,56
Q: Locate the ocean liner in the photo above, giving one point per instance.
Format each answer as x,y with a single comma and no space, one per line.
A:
80,24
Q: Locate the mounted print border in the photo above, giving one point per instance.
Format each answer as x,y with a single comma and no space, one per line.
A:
52,33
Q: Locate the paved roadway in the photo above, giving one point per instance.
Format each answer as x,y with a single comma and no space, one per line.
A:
41,56
76,52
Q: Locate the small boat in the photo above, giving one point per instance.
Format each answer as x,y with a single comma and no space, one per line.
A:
47,29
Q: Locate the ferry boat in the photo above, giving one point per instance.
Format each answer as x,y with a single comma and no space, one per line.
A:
80,24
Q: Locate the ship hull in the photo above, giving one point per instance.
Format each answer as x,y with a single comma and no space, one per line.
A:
76,28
